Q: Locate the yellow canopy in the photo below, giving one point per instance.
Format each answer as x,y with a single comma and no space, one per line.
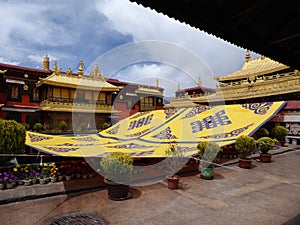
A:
148,134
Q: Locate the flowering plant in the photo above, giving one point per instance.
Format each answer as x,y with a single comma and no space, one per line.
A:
69,170
53,170
8,178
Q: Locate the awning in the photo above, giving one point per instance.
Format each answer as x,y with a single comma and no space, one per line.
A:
14,81
149,134
13,109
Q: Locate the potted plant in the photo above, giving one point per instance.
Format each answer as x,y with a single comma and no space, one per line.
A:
118,168
265,144
175,161
280,132
245,145
207,153
262,132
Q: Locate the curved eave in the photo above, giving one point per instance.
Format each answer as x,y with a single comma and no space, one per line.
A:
239,76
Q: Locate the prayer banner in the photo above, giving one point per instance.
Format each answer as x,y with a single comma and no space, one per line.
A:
148,134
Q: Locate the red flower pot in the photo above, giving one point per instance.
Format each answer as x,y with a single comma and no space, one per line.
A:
265,157
173,182
245,163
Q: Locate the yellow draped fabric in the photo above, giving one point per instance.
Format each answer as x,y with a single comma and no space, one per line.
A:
148,134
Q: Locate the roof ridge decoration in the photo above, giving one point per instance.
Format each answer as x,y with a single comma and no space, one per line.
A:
254,67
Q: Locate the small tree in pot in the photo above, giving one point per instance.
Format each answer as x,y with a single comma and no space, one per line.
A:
118,168
280,132
245,145
265,144
175,161
208,152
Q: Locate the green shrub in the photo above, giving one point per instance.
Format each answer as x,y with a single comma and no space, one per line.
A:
105,125
37,127
245,145
27,126
279,132
265,144
47,127
117,166
262,132
82,126
175,159
12,136
208,151
63,125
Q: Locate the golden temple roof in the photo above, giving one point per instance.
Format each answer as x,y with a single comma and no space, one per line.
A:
75,81
254,67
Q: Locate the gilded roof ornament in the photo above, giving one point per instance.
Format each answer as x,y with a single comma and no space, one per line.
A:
199,82
80,68
248,57
157,82
46,63
69,72
178,88
56,70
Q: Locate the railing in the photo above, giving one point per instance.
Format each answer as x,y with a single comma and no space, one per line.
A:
75,100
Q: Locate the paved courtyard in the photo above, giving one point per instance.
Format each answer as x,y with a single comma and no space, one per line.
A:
266,194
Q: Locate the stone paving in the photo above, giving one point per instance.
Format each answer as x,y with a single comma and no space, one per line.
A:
269,193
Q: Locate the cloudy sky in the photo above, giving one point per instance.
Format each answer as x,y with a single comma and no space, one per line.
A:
127,41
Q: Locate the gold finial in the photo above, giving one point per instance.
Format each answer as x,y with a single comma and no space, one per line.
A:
248,57
199,82
55,66
56,70
95,72
80,68
178,87
46,63
262,57
157,83
69,72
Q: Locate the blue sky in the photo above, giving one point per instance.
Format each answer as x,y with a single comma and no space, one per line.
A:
96,32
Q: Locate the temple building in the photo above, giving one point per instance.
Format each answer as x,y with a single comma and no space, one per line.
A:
49,96
19,97
260,80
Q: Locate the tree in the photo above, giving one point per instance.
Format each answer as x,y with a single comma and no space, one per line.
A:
12,136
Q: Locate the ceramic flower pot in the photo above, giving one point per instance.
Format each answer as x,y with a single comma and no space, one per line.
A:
117,191
173,182
27,182
9,185
207,173
245,163
265,157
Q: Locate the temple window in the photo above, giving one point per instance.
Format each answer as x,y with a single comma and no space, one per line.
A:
14,91
35,94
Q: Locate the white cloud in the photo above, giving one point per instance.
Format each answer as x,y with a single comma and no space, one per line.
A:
145,24
3,60
168,76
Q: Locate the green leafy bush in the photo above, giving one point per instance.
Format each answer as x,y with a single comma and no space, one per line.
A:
245,145
63,125
175,159
117,166
265,144
208,151
82,126
12,136
37,127
47,127
279,132
262,132
105,125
